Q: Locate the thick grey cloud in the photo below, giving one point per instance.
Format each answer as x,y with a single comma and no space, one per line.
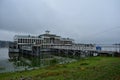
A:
88,21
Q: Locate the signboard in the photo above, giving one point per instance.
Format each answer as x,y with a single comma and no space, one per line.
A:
98,48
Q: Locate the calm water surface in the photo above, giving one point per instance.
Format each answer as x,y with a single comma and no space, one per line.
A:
5,65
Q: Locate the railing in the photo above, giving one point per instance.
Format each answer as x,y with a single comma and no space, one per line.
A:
72,47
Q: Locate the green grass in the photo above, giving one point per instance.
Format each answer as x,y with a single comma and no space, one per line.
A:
93,68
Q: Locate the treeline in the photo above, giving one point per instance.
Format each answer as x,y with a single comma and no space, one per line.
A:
4,44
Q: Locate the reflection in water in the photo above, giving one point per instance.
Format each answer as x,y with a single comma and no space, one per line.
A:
19,62
44,59
5,65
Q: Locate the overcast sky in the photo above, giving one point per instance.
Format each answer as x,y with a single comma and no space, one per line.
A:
86,21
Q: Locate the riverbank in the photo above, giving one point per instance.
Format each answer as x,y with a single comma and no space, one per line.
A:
93,68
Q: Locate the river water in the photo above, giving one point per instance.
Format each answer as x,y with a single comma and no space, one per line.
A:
5,64
9,66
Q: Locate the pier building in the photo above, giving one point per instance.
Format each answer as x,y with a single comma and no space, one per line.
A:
47,42
43,39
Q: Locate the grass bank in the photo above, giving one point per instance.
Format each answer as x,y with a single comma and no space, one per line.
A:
93,68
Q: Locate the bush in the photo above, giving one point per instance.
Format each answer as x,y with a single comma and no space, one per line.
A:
84,64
